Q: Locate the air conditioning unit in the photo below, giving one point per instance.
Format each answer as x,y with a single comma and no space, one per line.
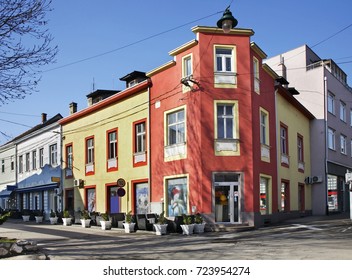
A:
317,179
308,180
77,182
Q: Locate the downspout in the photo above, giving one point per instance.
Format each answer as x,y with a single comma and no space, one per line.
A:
326,145
148,151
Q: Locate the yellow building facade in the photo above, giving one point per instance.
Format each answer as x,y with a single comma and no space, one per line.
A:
105,155
293,133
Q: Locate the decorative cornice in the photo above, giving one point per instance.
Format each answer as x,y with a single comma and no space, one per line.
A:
258,50
183,48
160,68
234,31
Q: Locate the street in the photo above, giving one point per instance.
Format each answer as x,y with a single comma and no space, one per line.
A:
311,238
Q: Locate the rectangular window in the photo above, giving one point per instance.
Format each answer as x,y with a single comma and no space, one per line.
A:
20,164
343,144
34,159
300,148
112,145
90,156
342,111
283,140
140,143
187,66
225,66
224,60
256,75
331,139
69,156
12,163
27,165
331,103
3,166
53,154
90,150
41,157
225,119
351,117
264,128
176,128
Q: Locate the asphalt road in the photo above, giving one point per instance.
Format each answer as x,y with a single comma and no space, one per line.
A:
310,238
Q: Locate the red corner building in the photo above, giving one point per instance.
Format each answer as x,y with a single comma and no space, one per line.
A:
212,123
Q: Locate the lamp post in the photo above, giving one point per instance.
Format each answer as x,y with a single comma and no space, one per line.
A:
227,21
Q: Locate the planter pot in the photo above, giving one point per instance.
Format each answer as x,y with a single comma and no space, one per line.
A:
25,218
53,220
160,229
187,229
38,219
85,223
199,228
129,227
105,225
67,221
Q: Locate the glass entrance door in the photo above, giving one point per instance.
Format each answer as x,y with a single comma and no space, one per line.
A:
227,202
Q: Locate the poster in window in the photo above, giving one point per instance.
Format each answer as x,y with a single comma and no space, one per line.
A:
142,198
91,200
177,196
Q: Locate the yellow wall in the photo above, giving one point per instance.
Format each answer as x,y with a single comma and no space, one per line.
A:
120,115
296,122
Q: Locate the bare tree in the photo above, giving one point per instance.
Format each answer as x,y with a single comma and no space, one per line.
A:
25,46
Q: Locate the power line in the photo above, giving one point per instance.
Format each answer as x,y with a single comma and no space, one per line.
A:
130,44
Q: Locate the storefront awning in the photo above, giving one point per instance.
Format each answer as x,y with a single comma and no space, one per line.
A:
5,193
38,188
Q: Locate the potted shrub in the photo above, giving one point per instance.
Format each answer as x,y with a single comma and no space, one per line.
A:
53,217
129,223
161,225
198,224
66,218
25,215
188,226
105,222
85,219
38,215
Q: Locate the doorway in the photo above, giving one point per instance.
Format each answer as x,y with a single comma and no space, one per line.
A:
227,196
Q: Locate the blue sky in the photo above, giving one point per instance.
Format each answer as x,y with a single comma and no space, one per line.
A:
113,32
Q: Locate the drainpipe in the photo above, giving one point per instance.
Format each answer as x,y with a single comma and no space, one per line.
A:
148,151
326,144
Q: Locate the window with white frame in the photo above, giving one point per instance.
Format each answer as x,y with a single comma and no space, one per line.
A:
300,155
34,159
140,143
41,157
90,151
69,156
187,66
331,103
112,145
53,154
331,139
264,139
342,111
225,71
12,163
176,127
283,140
20,164
343,144
27,165
225,121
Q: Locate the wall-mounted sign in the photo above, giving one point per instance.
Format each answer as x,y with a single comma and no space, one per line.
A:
121,192
121,182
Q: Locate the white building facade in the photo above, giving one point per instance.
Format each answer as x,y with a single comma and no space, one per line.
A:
325,93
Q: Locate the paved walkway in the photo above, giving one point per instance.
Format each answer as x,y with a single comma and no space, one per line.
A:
75,242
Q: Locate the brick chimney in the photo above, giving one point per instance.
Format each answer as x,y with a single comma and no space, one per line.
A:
44,115
73,108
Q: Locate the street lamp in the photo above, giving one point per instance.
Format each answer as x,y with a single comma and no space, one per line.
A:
227,21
